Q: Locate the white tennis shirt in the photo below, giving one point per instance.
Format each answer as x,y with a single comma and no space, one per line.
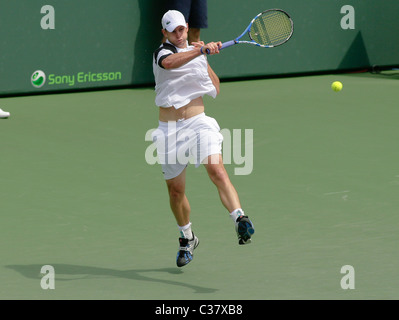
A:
177,87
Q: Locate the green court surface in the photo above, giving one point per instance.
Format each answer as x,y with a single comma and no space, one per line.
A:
77,193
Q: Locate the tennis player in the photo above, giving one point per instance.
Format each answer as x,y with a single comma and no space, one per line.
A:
182,77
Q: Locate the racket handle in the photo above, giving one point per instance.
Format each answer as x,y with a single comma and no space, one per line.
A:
224,45
228,44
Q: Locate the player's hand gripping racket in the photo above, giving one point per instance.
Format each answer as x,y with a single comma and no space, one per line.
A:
268,29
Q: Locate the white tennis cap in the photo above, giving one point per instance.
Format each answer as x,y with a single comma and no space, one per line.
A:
172,19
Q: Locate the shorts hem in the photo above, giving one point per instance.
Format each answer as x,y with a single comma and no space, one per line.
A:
174,175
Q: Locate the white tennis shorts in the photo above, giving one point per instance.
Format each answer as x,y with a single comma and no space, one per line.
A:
186,141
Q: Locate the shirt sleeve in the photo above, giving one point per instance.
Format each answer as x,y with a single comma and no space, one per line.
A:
161,55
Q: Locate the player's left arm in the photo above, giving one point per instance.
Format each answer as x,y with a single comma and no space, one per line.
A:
211,48
214,78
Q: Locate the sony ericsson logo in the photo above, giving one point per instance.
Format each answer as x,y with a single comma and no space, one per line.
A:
38,79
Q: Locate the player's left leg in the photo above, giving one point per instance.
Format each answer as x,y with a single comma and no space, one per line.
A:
218,174
229,197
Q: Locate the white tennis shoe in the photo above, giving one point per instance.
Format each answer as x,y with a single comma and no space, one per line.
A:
186,250
4,114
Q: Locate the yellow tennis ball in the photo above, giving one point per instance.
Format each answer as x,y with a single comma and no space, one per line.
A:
336,86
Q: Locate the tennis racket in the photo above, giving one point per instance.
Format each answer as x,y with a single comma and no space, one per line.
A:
268,29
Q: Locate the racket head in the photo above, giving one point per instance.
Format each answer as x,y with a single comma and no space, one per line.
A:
271,28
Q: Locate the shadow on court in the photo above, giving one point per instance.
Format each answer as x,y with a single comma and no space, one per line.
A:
69,272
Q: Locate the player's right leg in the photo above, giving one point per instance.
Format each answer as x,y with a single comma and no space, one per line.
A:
181,210
177,198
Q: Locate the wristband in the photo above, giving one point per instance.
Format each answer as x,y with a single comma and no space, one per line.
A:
201,50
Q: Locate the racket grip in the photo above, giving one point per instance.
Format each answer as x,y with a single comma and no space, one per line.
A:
207,51
224,45
228,44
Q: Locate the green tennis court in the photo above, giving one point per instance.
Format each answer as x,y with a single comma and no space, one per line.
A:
76,193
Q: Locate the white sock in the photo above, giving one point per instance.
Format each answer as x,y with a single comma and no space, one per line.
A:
185,231
236,213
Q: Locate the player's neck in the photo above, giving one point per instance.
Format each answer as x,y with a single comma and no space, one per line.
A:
180,46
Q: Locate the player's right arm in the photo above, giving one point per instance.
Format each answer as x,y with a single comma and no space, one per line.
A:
179,59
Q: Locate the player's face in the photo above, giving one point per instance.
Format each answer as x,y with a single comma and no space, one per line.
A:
178,37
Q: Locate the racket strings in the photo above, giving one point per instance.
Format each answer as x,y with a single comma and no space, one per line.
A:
271,28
